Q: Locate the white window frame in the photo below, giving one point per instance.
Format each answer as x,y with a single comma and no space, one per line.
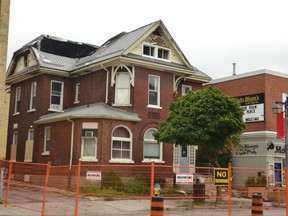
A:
77,93
122,139
157,105
145,140
32,106
185,89
155,50
47,139
30,134
56,107
86,137
15,138
117,90
17,100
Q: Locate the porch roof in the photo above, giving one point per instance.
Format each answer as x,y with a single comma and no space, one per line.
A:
96,110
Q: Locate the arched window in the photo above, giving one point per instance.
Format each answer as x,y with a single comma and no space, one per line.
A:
153,150
121,145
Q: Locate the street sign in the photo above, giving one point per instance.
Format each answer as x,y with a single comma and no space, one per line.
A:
221,177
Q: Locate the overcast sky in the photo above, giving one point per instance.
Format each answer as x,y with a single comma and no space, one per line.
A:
213,34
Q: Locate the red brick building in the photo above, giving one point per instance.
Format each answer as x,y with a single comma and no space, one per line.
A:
73,101
257,92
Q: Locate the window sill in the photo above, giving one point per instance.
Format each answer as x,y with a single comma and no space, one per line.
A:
88,159
123,161
122,105
31,110
54,110
45,153
153,160
76,102
15,114
154,107
27,161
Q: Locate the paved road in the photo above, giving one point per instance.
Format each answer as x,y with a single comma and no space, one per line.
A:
29,203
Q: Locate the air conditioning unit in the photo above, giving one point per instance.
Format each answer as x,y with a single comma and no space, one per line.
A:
89,134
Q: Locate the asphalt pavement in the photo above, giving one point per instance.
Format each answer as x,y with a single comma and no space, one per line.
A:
26,202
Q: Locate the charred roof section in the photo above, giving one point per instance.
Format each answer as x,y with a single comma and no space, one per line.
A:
64,48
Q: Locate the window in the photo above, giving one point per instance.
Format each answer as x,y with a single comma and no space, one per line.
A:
89,144
15,137
17,100
156,52
121,145
122,92
186,89
154,91
33,96
30,134
46,141
77,93
152,149
56,96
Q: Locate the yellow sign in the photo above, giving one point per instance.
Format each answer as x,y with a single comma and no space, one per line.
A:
221,177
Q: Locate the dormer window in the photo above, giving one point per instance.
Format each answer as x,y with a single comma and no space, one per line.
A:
156,52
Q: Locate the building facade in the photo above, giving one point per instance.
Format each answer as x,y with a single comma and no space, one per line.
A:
75,102
4,96
257,92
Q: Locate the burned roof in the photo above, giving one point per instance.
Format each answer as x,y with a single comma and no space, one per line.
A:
63,47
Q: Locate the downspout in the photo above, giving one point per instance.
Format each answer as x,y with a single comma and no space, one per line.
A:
72,142
107,83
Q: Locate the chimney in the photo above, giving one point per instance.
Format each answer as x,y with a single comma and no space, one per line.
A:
234,69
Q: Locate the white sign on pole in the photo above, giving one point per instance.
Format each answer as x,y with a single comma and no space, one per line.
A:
94,176
184,178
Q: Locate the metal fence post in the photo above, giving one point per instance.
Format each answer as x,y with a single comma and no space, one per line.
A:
2,183
230,189
77,189
45,187
9,181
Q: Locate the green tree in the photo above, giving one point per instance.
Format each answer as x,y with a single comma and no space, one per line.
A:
207,118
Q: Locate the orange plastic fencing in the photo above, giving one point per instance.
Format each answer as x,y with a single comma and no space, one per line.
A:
78,184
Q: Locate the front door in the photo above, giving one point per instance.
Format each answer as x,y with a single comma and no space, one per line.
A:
278,174
184,159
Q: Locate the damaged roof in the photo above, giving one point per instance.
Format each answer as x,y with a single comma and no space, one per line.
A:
70,56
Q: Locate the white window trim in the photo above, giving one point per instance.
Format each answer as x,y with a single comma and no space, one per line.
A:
148,160
155,56
77,93
45,152
158,93
185,86
17,98
116,90
88,158
119,160
32,95
61,97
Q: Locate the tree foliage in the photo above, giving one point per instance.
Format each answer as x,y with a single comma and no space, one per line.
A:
207,118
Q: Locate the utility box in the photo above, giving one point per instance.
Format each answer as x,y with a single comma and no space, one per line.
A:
198,191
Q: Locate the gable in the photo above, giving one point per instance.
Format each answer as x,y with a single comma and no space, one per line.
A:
24,61
158,39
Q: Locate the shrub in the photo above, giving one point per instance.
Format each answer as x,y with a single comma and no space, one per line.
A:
252,181
136,185
112,180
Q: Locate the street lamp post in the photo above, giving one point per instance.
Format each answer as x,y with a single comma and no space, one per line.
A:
278,108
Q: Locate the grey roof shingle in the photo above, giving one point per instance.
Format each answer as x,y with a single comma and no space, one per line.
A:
96,110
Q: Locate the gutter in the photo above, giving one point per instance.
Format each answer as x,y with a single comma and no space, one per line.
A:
72,142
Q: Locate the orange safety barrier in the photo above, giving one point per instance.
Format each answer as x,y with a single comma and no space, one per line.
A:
157,206
257,205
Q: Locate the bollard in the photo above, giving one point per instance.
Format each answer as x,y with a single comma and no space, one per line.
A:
157,206
257,205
